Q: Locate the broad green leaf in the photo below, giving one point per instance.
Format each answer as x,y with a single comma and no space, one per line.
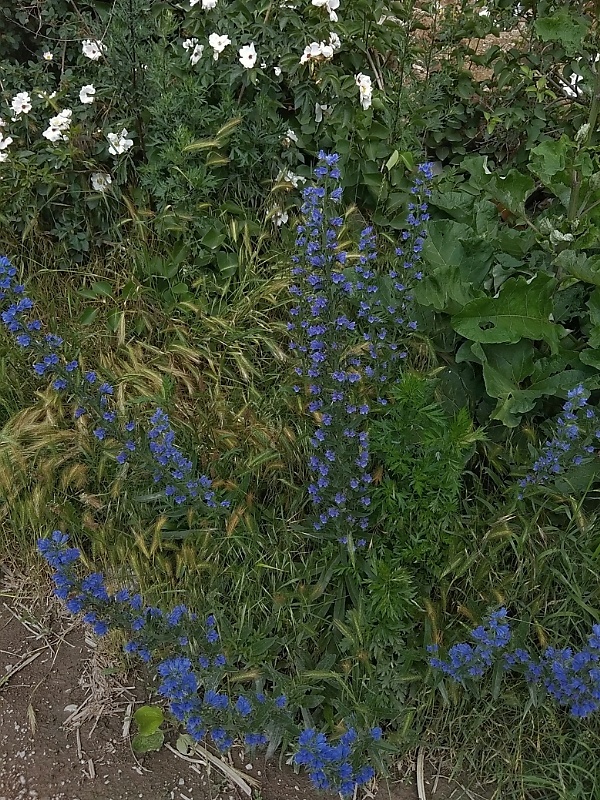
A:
443,247
88,316
459,205
512,191
506,367
580,267
550,157
550,161
565,27
114,318
458,263
97,289
148,719
486,218
476,166
591,358
145,744
227,263
213,239
521,310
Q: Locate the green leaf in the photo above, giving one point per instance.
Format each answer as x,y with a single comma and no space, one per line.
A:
88,316
97,289
507,366
459,261
594,307
213,239
443,247
459,205
564,27
113,319
512,191
521,310
550,157
144,744
591,358
227,263
392,160
184,743
580,267
148,719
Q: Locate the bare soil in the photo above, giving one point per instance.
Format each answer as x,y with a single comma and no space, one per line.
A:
65,735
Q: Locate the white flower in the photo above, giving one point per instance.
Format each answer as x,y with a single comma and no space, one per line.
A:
189,43
277,71
92,49
54,134
196,54
207,5
312,50
2,123
47,56
290,137
3,157
218,44
485,12
247,55
5,141
365,90
330,5
317,50
86,94
290,177
21,103
101,181
335,41
62,121
57,126
319,111
119,143
280,217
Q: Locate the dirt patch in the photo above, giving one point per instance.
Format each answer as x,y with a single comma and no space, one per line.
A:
64,732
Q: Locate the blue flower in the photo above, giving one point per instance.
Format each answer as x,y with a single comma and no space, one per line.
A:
175,616
243,706
93,585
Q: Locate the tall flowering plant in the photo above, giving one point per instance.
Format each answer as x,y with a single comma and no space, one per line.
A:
346,334
570,677
184,653
574,443
191,670
150,451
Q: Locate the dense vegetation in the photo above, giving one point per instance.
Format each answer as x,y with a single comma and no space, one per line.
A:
301,307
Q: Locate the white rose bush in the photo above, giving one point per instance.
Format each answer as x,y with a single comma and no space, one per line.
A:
140,94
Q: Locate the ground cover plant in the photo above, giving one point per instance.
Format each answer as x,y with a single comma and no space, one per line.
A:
299,368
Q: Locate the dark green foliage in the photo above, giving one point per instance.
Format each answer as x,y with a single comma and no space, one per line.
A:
423,453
